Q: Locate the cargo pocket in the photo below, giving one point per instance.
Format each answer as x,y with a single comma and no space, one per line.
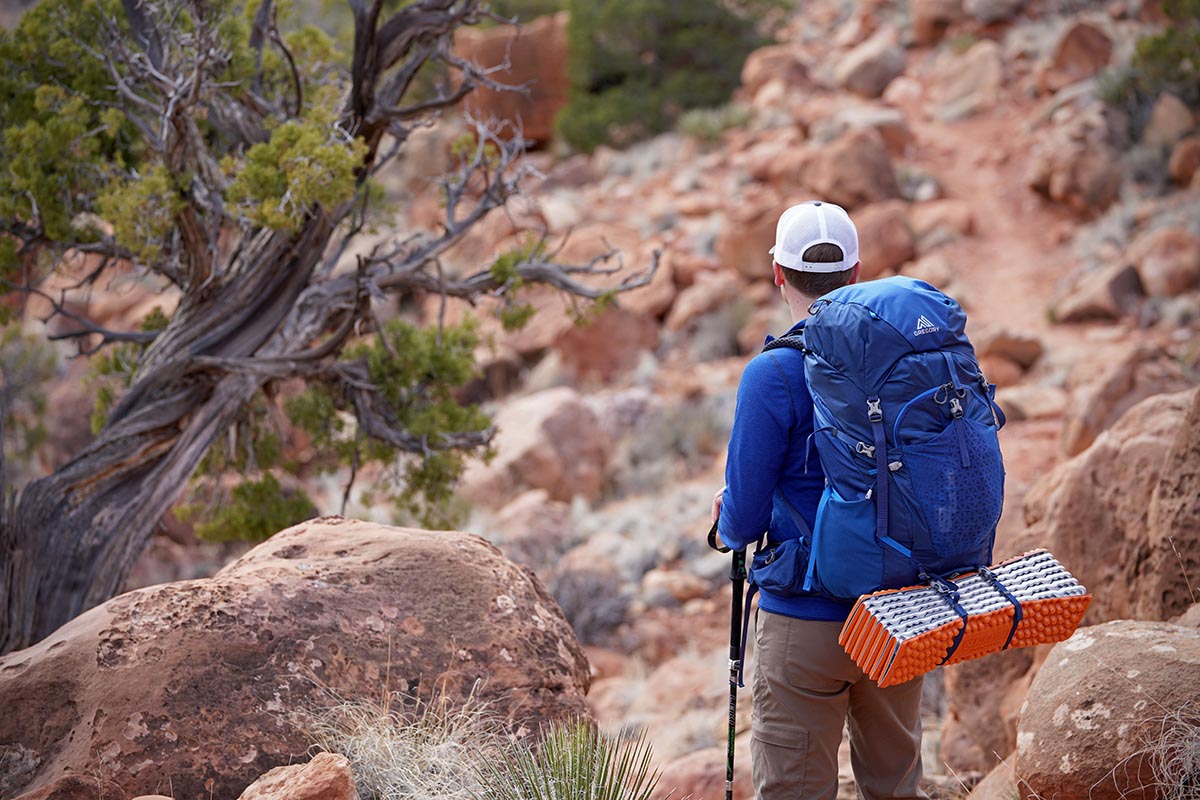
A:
779,759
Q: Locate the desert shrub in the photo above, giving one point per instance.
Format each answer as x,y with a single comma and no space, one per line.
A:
636,65
573,760
1163,62
525,10
594,600
401,748
707,124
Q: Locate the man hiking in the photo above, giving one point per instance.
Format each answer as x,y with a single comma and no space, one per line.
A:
805,686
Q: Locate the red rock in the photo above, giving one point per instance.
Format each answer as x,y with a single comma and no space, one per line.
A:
711,291
1170,120
1101,700
969,83
1167,261
607,345
780,62
1185,160
852,170
1074,163
870,67
1105,394
940,221
1001,371
546,440
537,57
884,238
533,529
931,18
326,777
1092,511
1032,402
195,685
1023,348
748,233
983,697
1108,293
702,774
1080,52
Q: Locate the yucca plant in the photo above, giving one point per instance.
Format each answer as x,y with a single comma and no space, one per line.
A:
573,761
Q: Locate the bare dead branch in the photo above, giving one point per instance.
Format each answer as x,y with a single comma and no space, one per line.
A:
89,328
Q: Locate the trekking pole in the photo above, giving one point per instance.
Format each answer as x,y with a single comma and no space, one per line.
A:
737,574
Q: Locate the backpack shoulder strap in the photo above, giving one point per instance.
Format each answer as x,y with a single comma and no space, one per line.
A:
793,341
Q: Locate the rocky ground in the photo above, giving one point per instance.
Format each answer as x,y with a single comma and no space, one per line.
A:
969,144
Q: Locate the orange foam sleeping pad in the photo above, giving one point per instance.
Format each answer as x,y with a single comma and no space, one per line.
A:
898,634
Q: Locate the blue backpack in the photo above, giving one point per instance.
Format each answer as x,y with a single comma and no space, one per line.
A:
897,392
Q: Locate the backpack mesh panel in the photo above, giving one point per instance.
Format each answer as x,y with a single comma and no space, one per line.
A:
962,504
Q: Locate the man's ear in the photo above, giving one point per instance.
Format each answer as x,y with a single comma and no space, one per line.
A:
778,270
857,272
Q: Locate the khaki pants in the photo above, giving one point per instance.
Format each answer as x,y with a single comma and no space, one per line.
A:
805,687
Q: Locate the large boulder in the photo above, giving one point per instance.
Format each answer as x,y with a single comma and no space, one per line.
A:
885,239
1100,396
536,59
853,170
983,700
201,686
1099,714
326,777
1122,516
969,83
1167,261
1074,162
1080,52
547,440
869,68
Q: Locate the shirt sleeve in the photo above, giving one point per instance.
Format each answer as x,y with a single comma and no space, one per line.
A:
762,423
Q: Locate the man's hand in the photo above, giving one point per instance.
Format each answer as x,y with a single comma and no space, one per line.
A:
716,508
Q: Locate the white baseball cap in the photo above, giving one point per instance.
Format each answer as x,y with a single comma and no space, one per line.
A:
815,222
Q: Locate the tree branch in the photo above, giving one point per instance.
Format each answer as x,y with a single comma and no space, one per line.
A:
89,328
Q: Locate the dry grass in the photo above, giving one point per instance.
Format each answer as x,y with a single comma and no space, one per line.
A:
407,749
1173,752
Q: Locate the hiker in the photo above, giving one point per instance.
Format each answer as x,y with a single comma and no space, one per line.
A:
805,686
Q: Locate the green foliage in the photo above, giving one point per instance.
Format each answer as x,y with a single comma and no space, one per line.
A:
525,10
142,211
414,372
636,65
1164,62
26,363
59,135
573,760
304,164
707,124
254,511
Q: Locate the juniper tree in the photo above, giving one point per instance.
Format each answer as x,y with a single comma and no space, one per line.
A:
205,142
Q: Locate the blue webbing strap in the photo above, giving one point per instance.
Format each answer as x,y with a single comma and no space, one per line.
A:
1018,613
950,594
875,415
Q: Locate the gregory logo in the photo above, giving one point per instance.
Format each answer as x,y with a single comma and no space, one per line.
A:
924,326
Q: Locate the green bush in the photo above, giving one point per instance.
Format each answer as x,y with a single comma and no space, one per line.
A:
1164,62
525,10
636,65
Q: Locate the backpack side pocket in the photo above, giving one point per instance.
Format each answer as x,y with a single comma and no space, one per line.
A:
779,569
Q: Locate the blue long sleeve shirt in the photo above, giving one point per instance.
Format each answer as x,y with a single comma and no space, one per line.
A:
771,457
